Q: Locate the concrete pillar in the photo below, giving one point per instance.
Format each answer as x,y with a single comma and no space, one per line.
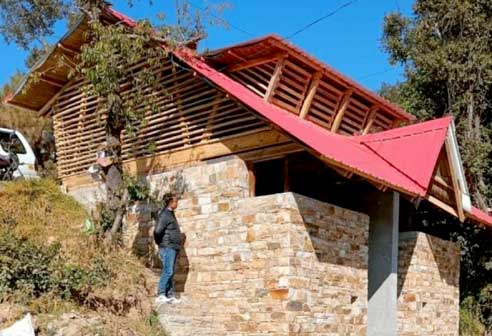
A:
383,209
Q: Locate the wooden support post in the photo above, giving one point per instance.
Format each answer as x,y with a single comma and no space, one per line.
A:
286,175
456,185
342,106
208,130
371,116
252,179
275,79
182,119
306,105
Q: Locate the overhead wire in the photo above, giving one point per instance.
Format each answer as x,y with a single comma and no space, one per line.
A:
324,17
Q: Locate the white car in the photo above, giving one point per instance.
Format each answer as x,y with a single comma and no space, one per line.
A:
21,147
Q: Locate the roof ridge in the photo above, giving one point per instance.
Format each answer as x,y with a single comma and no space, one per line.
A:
362,141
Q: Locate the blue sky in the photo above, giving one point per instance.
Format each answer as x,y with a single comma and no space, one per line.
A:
348,41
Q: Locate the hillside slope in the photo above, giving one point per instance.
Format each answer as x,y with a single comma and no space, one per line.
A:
50,266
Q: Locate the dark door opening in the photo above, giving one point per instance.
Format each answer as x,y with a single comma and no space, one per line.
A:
269,177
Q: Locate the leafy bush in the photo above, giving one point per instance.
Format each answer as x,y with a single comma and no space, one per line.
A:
36,270
470,318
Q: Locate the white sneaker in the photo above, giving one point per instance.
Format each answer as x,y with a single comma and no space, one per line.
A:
173,300
161,299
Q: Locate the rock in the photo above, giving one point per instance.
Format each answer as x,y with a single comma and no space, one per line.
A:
22,327
72,324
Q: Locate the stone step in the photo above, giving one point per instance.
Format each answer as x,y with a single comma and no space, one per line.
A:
189,317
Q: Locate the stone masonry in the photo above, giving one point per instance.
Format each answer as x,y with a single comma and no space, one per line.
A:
428,286
281,264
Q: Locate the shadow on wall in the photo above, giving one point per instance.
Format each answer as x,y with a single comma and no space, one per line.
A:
445,255
338,236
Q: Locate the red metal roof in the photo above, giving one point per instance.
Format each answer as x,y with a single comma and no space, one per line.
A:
403,158
413,150
481,216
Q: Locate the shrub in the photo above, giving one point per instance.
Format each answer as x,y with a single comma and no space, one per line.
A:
37,270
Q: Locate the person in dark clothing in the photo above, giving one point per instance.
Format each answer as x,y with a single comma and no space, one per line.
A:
167,236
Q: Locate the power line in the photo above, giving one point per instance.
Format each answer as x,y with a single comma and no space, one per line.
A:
324,17
376,73
244,31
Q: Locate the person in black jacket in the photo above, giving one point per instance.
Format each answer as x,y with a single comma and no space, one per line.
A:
167,236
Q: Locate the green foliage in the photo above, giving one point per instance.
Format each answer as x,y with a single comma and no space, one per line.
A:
470,324
24,21
36,270
138,190
112,55
446,48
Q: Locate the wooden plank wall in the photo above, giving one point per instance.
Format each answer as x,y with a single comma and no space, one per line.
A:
190,112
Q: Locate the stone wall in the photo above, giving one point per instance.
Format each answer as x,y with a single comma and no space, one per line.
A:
428,286
281,264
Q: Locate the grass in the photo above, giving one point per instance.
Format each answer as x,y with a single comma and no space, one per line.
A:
38,213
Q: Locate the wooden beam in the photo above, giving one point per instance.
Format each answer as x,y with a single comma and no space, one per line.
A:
306,105
67,49
252,180
255,61
275,78
271,152
439,180
456,186
44,110
342,107
189,155
286,175
440,204
371,116
345,173
51,81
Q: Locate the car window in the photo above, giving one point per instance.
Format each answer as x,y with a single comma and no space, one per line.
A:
15,144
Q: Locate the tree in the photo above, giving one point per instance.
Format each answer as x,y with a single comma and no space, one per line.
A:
446,49
110,56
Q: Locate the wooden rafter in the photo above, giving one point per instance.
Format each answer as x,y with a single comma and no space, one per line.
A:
51,81
440,204
275,78
342,107
44,110
371,116
456,186
306,105
345,173
255,61
67,49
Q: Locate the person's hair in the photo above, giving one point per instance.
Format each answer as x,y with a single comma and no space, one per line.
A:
167,198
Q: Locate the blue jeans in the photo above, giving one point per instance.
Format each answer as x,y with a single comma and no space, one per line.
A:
168,258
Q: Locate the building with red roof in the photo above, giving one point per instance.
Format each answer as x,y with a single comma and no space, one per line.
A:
255,126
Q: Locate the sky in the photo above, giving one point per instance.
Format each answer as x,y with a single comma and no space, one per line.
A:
348,40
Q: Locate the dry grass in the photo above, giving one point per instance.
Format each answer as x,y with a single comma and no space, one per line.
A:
38,211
